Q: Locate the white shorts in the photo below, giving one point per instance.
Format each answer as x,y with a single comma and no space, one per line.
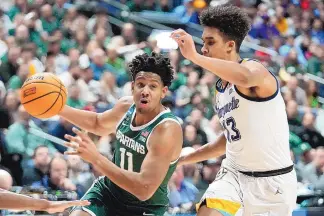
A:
233,193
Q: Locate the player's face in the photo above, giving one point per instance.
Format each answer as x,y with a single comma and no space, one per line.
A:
215,46
148,91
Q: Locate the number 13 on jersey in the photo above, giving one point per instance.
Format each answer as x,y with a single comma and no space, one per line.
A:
232,133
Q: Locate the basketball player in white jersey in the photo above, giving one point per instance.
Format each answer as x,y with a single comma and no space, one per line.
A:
257,177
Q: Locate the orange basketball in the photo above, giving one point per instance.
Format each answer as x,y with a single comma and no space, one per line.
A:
43,95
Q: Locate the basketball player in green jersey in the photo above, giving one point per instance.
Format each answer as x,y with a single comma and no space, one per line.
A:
149,142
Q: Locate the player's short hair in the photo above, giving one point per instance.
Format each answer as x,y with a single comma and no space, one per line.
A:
230,20
154,63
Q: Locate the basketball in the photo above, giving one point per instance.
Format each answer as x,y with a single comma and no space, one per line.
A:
43,95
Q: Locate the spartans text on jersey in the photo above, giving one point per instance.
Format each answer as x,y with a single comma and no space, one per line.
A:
129,142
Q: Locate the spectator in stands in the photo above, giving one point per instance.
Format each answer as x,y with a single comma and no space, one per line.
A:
129,34
164,6
90,88
61,61
3,91
22,35
294,121
317,31
289,44
197,119
59,129
187,12
9,68
193,136
310,133
208,174
136,5
109,89
21,6
297,92
100,20
49,22
79,173
11,104
58,9
39,169
6,180
314,172
71,76
58,178
7,24
312,94
182,193
20,140
184,93
99,65
214,130
266,29
114,60
101,36
291,63
82,38
16,81
74,100
315,62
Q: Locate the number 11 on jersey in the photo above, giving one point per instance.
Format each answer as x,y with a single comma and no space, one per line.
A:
129,156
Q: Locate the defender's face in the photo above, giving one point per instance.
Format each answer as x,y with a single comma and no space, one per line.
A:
148,91
215,46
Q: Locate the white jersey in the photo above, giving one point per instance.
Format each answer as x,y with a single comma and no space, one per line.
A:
256,130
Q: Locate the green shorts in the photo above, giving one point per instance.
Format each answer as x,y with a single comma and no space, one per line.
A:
104,203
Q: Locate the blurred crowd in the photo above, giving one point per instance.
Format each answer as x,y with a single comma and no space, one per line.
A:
91,59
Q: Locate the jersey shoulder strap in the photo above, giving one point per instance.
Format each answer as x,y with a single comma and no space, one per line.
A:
127,116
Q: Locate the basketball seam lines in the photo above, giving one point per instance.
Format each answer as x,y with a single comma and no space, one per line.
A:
48,84
56,80
59,82
62,102
61,96
52,104
40,97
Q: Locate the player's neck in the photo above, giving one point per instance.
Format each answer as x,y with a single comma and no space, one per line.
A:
144,118
235,57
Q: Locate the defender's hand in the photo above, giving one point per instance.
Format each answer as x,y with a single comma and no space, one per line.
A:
82,145
186,43
60,206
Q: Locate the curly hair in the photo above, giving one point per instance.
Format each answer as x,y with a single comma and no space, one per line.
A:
230,20
154,63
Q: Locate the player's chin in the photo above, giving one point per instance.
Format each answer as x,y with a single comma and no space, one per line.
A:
143,108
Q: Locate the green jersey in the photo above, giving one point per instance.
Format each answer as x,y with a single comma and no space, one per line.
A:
130,151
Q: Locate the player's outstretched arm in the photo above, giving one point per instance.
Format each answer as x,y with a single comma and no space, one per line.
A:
164,147
9,200
205,152
243,75
97,123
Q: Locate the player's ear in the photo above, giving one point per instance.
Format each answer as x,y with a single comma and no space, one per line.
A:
133,87
164,91
230,45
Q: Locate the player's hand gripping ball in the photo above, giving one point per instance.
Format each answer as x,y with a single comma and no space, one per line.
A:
43,95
